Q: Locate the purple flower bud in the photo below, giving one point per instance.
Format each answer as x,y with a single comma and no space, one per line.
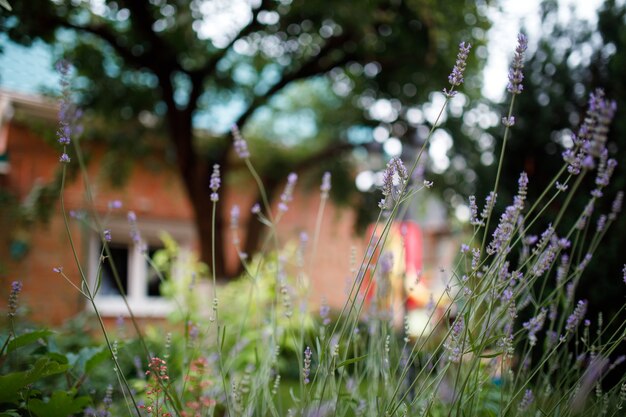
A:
256,208
64,158
107,235
508,121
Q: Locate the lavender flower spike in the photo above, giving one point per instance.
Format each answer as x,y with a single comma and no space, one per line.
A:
287,195
306,369
241,146
576,317
215,183
325,187
16,288
456,76
515,73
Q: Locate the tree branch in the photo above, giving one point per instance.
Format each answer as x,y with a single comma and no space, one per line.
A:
314,66
324,154
252,26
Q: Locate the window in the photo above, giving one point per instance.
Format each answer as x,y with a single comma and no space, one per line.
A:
139,280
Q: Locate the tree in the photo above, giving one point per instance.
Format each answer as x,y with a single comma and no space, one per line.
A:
170,64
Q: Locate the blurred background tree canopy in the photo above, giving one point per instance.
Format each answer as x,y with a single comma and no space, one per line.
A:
307,81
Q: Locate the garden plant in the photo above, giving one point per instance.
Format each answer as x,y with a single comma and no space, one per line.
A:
258,350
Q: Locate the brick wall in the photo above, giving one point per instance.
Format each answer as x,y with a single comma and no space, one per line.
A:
157,196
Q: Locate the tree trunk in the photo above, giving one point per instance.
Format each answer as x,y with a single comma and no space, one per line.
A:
196,175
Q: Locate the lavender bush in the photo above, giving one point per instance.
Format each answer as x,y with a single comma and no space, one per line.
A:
259,351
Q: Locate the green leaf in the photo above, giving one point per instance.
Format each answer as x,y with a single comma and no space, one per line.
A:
96,358
87,358
61,404
9,413
11,384
351,361
490,355
27,339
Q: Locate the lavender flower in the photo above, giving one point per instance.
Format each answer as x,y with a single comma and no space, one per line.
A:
464,248
624,274
453,343
306,369
508,121
515,73
475,258
134,231
456,76
386,263
214,183
616,207
527,400
234,217
68,115
474,220
64,115
583,264
325,187
115,204
107,235
256,208
601,223
287,194
240,144
490,202
107,401
603,111
395,171
324,312
509,219
576,317
16,289
534,325
545,259
561,271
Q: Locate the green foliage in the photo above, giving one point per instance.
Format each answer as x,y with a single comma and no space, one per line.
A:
297,77
60,404
49,373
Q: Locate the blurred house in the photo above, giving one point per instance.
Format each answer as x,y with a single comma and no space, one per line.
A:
30,248
29,164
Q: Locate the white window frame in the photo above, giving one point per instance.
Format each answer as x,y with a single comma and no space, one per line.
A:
140,303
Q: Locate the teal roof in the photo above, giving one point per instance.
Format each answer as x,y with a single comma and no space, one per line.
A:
27,70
